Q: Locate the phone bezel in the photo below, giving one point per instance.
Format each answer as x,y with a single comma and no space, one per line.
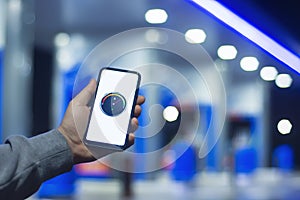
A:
109,145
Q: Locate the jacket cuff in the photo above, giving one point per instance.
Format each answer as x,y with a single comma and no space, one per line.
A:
54,153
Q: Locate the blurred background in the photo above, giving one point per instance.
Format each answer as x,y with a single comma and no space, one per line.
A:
43,43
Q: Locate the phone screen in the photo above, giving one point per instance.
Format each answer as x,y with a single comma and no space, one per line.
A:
113,107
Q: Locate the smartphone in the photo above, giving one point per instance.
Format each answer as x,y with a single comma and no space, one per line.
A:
113,108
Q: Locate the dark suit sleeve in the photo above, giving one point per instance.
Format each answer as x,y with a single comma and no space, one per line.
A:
27,162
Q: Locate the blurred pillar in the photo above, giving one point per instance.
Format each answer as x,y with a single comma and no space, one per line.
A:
2,44
264,141
17,67
2,23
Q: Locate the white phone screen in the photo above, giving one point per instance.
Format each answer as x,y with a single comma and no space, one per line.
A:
111,113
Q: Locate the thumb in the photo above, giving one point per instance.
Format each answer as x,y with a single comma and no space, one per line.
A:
86,94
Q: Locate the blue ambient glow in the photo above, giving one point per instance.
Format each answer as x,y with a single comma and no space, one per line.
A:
253,34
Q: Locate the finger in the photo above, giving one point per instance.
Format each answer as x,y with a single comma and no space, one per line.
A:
137,110
86,94
134,124
140,100
130,139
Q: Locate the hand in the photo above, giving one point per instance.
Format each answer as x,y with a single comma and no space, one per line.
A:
75,122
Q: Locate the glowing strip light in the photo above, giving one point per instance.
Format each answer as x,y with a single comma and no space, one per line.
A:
250,32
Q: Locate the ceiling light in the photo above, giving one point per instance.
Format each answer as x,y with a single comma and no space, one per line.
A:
170,113
152,36
156,16
283,80
156,36
284,126
227,52
195,36
249,63
15,5
268,73
64,59
62,39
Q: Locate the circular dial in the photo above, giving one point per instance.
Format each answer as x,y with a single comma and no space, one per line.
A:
113,104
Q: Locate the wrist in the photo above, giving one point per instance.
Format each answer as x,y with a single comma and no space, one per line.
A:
79,151
63,131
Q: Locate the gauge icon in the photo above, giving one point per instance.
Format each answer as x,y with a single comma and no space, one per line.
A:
112,104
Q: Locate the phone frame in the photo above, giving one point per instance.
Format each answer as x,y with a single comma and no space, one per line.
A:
108,145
